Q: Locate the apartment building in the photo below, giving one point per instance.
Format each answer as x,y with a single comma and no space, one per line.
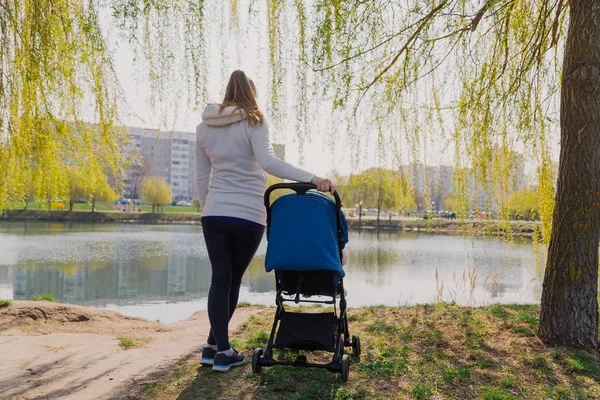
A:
169,155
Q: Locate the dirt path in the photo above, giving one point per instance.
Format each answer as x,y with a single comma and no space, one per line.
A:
61,351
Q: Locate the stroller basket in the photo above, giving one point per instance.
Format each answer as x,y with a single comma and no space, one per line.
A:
306,331
306,233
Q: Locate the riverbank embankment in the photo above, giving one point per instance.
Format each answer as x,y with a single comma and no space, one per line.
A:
516,228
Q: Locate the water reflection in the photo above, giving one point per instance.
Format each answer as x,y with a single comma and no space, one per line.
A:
163,272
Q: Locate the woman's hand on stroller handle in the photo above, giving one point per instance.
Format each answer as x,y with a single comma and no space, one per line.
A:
323,184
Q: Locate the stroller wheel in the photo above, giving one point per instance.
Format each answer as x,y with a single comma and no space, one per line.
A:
345,367
355,345
256,367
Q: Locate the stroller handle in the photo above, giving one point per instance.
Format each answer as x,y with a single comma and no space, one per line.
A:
300,188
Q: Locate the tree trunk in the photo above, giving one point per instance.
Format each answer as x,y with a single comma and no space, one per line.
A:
70,205
379,194
569,313
359,215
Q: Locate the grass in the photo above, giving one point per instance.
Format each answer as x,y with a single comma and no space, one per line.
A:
44,297
76,206
101,207
127,343
423,352
5,303
171,209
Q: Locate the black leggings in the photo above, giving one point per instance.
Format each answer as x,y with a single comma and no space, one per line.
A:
231,246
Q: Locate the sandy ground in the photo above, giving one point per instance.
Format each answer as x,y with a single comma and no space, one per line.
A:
61,351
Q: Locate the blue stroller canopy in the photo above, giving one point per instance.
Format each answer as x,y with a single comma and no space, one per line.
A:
303,234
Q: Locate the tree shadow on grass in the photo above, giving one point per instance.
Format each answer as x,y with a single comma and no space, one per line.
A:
272,383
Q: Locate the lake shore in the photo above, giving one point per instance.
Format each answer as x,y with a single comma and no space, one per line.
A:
517,228
418,352
52,350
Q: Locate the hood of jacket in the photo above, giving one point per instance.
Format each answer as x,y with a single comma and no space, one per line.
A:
229,115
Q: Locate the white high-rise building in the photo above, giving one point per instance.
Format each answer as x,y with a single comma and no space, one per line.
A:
169,155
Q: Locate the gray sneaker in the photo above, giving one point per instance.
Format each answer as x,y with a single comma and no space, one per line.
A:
224,362
208,356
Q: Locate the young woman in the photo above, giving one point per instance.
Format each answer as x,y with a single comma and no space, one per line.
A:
232,154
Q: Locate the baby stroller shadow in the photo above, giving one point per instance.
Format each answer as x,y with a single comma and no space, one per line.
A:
306,233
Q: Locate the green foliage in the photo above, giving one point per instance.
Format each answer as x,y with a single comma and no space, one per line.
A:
377,188
421,392
196,203
406,73
345,394
127,343
497,394
256,339
57,74
155,191
455,375
45,297
5,303
537,362
523,204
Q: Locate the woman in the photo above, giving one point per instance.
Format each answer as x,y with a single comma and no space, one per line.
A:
232,153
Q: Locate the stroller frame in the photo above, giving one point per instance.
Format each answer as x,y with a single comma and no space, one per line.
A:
341,336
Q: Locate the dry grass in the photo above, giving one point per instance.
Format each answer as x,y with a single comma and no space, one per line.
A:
423,352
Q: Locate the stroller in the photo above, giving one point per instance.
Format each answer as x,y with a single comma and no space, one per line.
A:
306,232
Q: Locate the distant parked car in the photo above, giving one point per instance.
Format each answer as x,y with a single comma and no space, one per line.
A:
183,203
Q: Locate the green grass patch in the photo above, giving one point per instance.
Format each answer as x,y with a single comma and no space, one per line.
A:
345,394
422,392
580,361
170,209
127,343
539,363
383,327
500,312
497,394
5,303
487,363
44,297
426,352
454,375
388,367
523,331
257,339
528,318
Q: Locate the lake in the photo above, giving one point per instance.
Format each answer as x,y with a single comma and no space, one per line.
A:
162,272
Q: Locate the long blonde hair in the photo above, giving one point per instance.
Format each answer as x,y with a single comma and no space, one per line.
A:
241,93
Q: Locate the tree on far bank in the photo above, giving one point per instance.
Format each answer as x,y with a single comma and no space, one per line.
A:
155,191
102,192
361,189
77,189
523,204
196,203
139,169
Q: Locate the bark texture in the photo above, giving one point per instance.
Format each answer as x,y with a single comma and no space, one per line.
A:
569,313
